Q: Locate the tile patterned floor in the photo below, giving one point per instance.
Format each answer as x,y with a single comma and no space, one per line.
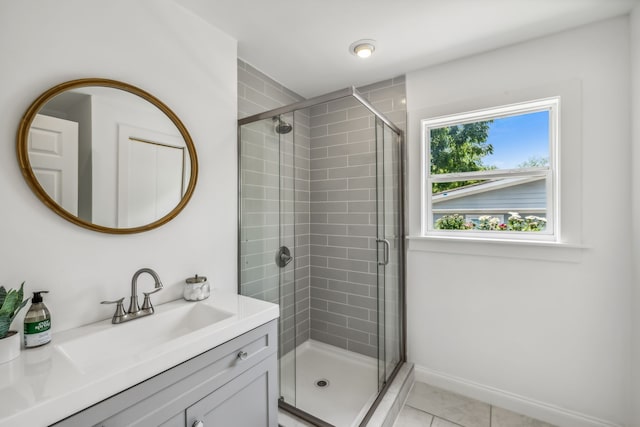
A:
429,406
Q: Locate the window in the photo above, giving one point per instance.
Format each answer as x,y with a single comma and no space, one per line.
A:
492,173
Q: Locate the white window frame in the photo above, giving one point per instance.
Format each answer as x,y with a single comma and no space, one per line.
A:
551,173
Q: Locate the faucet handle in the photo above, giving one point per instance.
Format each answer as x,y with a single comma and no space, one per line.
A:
146,305
120,313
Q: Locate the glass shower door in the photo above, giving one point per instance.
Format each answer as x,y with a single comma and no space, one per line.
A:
266,231
389,249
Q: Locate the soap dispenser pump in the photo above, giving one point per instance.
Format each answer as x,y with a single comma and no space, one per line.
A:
37,322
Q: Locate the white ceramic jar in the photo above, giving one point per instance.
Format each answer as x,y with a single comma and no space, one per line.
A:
196,288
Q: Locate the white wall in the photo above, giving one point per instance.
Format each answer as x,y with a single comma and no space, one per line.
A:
545,331
165,50
635,198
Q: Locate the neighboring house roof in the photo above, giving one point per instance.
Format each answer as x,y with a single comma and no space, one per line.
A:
508,193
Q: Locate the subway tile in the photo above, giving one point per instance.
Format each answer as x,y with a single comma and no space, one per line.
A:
320,240
329,140
361,230
325,316
318,131
324,250
363,278
347,149
317,110
320,185
348,287
384,105
368,182
318,304
250,80
318,175
361,207
329,118
349,125
375,86
362,254
329,339
346,264
318,325
280,95
318,153
363,135
362,159
259,98
329,229
318,282
319,218
322,207
342,104
362,325
328,273
364,302
349,172
347,310
318,196
357,112
348,218
330,162
318,261
358,347
328,295
350,242
349,334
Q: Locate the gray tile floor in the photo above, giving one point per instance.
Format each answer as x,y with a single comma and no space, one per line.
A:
433,407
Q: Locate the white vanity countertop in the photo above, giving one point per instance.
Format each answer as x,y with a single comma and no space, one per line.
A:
45,385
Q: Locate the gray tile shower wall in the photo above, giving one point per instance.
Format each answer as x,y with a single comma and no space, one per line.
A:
343,285
315,185
270,201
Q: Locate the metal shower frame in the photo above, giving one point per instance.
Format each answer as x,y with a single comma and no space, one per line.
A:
333,96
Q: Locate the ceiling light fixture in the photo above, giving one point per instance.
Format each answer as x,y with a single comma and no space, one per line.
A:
362,48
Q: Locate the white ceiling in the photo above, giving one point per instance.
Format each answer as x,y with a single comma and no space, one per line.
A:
303,44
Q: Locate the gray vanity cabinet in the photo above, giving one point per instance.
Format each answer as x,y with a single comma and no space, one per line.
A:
234,384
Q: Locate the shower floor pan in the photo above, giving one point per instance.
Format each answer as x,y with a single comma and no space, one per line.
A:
351,383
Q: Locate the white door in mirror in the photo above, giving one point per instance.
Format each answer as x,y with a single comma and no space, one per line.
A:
53,153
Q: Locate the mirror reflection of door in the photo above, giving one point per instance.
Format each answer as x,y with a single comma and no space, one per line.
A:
151,175
53,153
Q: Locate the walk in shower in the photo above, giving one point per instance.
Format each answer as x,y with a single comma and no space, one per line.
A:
321,234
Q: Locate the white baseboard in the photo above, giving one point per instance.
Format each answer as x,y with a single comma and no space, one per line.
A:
510,401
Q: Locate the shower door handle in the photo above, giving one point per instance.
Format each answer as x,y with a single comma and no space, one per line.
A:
387,247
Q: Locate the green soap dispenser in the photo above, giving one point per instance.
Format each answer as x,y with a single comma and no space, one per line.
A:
37,322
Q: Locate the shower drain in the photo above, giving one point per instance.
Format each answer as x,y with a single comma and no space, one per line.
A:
322,383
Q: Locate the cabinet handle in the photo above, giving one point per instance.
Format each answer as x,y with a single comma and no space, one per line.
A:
242,355
198,423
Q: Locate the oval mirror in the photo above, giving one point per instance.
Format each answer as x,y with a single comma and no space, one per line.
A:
107,156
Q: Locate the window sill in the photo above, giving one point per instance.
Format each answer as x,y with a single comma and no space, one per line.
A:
521,249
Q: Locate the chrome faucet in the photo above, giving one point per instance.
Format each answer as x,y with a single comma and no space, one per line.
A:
135,311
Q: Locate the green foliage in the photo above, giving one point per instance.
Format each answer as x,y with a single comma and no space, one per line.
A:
529,223
459,148
452,222
491,223
535,162
10,304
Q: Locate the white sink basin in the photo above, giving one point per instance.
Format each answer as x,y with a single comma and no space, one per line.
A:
139,338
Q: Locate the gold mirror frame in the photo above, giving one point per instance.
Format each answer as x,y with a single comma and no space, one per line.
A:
29,176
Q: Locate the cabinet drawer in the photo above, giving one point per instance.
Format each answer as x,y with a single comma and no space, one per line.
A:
164,396
249,400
